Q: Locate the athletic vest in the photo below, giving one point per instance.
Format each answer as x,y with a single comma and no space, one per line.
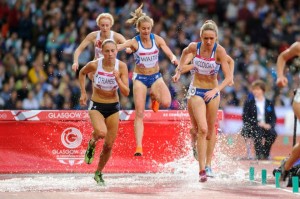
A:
146,57
98,49
105,80
206,66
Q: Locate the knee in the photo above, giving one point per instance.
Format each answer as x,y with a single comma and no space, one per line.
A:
166,103
139,114
202,131
99,134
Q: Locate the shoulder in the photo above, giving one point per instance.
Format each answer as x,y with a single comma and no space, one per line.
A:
221,52
157,38
220,49
92,64
92,35
193,45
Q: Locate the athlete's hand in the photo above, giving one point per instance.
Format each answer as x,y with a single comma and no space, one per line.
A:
176,77
117,75
82,99
210,94
128,50
281,81
75,66
175,62
231,83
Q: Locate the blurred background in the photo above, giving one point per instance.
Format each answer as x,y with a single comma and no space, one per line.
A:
38,39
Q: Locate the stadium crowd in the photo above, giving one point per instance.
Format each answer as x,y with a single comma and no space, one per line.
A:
38,39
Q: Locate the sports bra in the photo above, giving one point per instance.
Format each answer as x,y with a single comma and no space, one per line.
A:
105,80
206,66
98,49
146,57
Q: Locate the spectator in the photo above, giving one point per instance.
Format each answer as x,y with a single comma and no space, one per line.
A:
30,103
259,120
74,20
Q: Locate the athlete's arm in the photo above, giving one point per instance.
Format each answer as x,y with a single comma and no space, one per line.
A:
186,56
223,59
162,44
292,51
89,67
231,67
122,78
90,38
131,43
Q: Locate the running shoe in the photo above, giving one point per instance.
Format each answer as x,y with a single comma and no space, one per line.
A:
98,178
155,106
209,172
203,176
284,173
89,154
138,151
195,152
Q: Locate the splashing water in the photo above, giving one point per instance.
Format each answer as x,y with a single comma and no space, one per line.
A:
180,174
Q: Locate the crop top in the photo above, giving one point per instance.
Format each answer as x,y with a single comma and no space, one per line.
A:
98,43
146,57
105,80
206,66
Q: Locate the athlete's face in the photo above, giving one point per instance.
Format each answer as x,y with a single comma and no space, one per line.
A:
104,24
109,51
145,28
208,37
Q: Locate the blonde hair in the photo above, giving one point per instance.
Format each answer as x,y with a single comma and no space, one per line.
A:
105,15
209,25
107,41
138,17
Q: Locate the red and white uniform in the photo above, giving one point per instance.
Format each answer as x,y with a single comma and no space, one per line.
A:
98,43
105,80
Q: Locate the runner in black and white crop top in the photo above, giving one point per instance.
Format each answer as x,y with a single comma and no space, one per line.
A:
206,66
105,80
146,57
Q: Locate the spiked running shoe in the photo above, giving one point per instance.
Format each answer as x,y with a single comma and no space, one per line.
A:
203,176
155,106
99,178
209,172
138,151
89,154
284,173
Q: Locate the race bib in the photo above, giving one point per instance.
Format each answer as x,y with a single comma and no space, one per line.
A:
191,92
